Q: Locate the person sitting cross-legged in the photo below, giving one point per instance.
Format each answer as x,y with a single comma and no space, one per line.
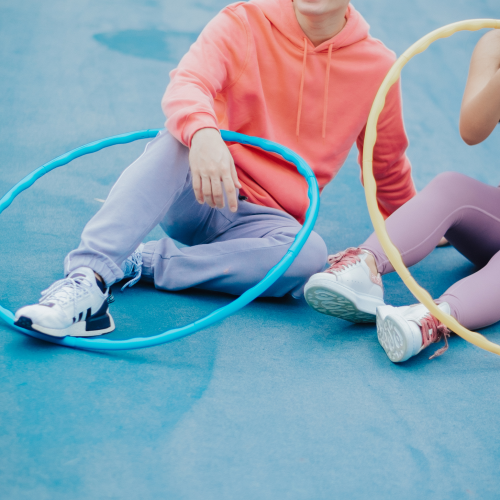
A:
303,74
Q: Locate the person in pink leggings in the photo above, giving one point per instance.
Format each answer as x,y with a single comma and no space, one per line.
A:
462,209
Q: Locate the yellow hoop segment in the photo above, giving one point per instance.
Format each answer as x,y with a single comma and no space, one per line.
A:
371,187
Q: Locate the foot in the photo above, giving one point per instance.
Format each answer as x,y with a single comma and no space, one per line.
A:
405,331
76,306
348,289
132,267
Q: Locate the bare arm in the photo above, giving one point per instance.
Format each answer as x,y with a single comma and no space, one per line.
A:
480,111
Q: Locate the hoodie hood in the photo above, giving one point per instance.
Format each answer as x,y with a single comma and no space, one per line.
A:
281,14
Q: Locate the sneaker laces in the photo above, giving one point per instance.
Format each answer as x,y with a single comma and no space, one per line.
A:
433,331
343,260
135,261
64,291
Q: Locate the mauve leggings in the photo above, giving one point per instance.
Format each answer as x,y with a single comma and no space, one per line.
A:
467,212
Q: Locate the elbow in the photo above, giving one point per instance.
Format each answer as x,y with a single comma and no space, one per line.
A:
164,103
469,140
470,136
166,100
475,129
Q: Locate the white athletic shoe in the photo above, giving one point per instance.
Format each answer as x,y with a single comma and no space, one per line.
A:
347,289
73,306
405,331
132,267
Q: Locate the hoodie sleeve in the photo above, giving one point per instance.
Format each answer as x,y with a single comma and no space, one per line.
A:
213,63
391,167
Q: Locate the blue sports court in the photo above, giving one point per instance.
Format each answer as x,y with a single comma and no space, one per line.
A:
277,401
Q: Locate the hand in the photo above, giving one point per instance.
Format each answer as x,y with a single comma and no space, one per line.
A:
212,164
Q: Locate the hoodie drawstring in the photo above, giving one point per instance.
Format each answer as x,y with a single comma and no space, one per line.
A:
301,91
325,95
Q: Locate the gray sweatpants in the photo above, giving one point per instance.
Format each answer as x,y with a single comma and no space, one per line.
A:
226,252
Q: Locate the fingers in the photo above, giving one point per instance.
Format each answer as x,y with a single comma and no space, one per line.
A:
217,194
209,190
231,182
206,187
214,185
232,201
234,174
197,187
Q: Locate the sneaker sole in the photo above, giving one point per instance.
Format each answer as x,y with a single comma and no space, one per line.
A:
394,336
91,328
334,299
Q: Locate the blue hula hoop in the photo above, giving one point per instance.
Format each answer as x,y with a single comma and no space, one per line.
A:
276,272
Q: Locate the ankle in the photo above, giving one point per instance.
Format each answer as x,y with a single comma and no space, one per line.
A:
370,262
98,277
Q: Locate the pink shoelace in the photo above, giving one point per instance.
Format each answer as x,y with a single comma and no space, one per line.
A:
343,259
433,331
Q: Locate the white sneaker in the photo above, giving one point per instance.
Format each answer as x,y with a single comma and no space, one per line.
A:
347,289
74,306
404,331
132,267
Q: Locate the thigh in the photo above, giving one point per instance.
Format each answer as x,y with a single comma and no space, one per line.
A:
273,232
238,250
476,230
158,175
193,224
463,209
256,221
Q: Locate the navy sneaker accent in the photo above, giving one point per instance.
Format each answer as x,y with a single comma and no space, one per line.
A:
75,306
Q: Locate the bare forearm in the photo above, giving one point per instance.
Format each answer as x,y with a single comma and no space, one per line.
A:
481,114
480,111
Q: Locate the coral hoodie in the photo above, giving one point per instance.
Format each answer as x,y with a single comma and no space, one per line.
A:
253,70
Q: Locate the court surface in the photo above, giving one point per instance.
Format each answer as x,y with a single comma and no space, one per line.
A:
276,402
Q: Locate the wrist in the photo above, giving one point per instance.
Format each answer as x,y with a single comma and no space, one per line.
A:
201,134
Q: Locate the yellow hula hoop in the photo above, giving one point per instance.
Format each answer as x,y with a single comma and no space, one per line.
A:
371,187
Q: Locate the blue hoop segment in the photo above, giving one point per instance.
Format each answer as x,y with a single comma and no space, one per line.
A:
271,277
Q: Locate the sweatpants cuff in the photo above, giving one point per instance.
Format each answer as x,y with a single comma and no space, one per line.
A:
148,253
96,265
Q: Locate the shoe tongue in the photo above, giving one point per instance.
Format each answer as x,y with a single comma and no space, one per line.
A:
82,273
76,275
88,274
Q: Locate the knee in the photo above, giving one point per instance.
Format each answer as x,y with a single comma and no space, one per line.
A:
312,258
167,142
457,190
448,183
